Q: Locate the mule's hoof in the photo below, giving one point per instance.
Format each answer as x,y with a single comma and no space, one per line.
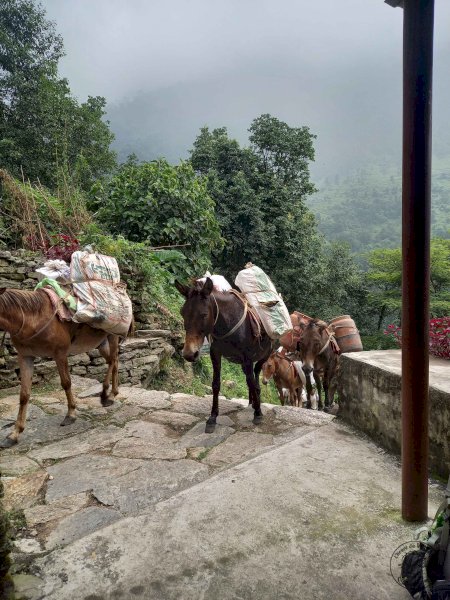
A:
107,402
210,426
8,443
68,421
257,419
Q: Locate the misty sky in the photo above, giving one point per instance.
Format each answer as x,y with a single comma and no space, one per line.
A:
167,68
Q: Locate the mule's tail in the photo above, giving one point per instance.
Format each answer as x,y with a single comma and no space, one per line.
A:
130,333
132,329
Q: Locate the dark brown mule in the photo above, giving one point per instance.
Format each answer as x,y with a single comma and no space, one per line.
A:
286,376
223,317
318,351
35,330
290,342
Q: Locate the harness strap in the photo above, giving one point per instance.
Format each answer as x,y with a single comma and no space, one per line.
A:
236,327
327,343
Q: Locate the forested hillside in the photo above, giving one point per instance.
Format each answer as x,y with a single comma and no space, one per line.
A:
227,204
364,208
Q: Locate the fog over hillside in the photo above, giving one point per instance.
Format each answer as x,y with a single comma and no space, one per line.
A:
167,69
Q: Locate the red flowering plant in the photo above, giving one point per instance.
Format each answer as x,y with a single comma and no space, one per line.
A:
62,247
439,344
59,247
440,337
395,332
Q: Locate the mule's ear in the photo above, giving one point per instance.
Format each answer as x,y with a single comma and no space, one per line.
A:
2,291
207,287
183,289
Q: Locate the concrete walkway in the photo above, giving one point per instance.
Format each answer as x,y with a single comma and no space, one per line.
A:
137,502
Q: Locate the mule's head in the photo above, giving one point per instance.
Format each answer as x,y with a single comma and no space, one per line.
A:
268,369
311,343
198,316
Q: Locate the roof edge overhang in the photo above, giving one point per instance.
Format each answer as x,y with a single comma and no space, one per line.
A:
394,3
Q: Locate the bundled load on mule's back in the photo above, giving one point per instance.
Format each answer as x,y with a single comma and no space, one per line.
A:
264,298
72,310
91,288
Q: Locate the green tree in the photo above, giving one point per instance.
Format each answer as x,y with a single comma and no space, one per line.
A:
43,129
260,194
163,205
384,277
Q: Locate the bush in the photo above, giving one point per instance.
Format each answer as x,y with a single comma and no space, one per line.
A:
34,219
161,205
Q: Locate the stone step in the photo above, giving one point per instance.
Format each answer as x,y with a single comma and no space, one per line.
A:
153,333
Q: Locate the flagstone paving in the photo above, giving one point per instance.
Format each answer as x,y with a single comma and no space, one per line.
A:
118,463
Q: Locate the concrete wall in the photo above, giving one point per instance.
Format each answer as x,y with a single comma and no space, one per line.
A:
370,399
140,358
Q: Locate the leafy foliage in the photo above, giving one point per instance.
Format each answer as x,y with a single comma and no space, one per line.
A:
384,277
43,129
162,205
260,194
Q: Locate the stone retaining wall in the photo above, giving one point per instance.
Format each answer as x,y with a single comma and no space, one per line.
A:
140,358
370,399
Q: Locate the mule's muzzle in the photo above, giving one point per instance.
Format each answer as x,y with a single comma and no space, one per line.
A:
190,356
307,370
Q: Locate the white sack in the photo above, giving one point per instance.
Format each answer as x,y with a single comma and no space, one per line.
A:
102,299
263,297
220,284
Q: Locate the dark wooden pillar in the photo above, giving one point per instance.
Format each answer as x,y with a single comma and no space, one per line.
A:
417,86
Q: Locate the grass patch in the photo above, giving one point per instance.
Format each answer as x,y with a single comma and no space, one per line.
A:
177,375
17,520
203,454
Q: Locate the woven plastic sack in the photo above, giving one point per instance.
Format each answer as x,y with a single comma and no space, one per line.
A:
263,297
102,299
220,284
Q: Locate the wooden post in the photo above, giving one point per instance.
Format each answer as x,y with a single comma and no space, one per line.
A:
416,204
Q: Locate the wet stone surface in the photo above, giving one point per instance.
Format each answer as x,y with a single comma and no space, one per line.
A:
125,459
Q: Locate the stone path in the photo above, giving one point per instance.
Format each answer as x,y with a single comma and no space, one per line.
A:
118,461
135,500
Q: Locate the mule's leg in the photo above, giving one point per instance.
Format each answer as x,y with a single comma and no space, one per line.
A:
250,401
326,386
216,360
26,364
309,392
66,384
332,387
257,371
318,381
252,393
107,350
114,347
280,393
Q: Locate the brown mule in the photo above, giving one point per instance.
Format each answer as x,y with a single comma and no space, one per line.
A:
286,376
319,353
36,331
226,319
